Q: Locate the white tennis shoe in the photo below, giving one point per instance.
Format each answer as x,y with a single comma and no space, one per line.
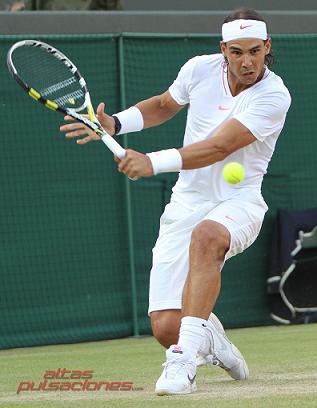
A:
222,352
179,374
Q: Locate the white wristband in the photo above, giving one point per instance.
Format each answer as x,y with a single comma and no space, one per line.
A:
165,161
131,120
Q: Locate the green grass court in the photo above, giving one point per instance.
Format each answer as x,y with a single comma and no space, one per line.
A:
282,362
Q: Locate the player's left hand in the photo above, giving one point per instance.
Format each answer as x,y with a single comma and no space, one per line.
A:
135,165
75,129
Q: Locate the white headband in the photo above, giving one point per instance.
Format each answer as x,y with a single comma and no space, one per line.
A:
244,29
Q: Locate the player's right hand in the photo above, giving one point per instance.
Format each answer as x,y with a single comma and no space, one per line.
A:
77,129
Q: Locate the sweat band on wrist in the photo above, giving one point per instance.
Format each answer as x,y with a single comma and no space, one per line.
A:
165,161
117,125
131,120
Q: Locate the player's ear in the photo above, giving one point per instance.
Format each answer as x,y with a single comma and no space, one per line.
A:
223,48
268,44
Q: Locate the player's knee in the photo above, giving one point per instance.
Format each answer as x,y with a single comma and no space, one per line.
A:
165,328
210,238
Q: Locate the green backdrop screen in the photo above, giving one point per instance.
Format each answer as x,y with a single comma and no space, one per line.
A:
76,237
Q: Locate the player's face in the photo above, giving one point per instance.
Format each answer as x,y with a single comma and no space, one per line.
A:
246,59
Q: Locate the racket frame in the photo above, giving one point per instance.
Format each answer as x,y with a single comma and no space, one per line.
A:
92,122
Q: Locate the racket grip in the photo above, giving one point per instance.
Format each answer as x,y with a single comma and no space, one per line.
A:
116,149
113,145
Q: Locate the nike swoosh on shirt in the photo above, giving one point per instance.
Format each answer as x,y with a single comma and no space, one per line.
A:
231,219
223,108
242,27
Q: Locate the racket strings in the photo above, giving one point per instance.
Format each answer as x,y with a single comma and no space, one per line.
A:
49,76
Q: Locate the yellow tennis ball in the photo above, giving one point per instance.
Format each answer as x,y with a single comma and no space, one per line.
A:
233,173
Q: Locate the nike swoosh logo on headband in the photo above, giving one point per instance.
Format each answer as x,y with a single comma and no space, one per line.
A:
242,27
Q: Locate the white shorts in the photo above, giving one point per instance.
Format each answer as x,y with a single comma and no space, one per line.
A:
242,215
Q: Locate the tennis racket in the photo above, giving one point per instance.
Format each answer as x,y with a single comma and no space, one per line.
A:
50,78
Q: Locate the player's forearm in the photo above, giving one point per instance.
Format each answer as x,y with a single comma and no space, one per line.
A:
231,136
148,113
202,154
152,111
156,110
194,156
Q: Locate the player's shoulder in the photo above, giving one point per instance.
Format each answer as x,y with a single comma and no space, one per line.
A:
203,65
272,82
201,61
207,59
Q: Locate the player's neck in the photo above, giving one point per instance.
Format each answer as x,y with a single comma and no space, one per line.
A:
236,86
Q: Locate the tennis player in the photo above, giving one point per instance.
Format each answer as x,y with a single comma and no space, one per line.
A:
236,110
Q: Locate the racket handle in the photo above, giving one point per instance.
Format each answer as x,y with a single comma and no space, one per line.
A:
116,149
113,145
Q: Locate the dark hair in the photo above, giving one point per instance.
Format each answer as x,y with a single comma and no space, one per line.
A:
249,14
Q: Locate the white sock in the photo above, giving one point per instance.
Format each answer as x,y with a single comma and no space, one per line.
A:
192,333
205,346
